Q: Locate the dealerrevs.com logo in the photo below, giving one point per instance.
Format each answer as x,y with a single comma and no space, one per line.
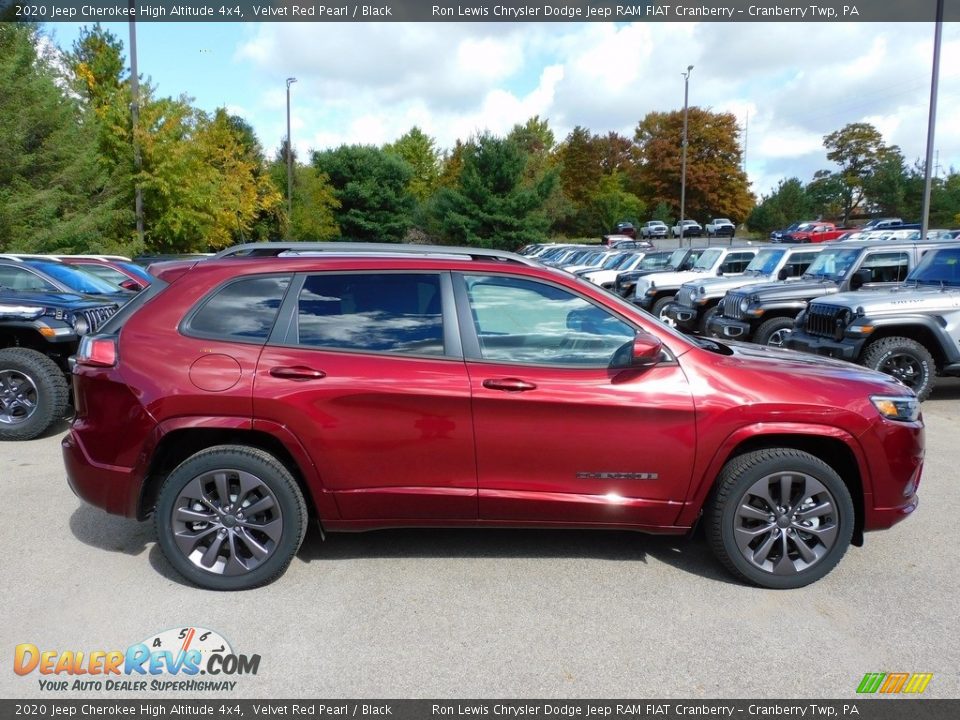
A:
173,660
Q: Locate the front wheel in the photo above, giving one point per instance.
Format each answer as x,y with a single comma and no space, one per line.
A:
780,518
230,518
705,319
774,332
659,310
33,393
906,360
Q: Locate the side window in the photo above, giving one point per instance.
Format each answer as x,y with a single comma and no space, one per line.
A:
386,312
736,263
886,267
534,323
797,264
16,278
242,310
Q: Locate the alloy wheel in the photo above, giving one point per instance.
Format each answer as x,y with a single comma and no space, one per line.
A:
18,397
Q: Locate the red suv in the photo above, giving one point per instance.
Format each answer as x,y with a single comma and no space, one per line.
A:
373,386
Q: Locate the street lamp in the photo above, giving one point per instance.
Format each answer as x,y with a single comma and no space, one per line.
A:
290,81
683,163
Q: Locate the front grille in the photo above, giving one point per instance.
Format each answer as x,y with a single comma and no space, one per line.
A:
96,317
821,320
731,306
683,297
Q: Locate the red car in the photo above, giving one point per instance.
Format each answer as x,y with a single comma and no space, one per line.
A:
116,270
374,386
817,233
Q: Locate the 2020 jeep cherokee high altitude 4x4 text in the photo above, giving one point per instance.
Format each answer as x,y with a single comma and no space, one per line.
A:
381,386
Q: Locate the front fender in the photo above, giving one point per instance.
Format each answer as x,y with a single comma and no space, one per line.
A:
706,475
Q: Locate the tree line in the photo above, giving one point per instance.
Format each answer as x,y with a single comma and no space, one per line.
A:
68,171
872,179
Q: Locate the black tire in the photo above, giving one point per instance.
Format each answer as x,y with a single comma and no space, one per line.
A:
33,393
658,307
772,331
905,359
766,544
250,477
704,325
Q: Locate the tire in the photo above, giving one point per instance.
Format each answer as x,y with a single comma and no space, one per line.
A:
774,543
705,318
219,550
906,360
772,332
33,393
658,307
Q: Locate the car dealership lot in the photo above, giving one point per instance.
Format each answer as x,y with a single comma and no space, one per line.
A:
421,613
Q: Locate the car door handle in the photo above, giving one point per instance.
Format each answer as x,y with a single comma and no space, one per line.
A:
509,385
297,372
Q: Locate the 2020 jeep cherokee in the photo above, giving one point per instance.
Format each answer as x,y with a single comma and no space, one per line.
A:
372,386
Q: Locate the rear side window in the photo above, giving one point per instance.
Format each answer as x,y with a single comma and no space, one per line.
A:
798,263
242,310
886,267
386,312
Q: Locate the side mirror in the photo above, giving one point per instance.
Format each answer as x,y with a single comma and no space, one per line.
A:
646,350
131,284
859,279
783,274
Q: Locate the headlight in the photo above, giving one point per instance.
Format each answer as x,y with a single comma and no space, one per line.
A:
897,407
693,295
744,304
80,325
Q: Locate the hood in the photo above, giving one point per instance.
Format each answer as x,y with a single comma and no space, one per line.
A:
716,286
804,289
900,300
67,300
782,365
673,279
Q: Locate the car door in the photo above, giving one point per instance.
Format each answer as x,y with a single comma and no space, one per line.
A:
365,368
566,432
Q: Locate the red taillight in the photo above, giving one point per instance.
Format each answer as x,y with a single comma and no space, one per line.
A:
97,351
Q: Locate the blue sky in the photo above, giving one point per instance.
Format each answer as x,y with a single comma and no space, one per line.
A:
369,83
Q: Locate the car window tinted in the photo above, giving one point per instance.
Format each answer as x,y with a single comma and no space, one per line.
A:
534,323
386,312
242,310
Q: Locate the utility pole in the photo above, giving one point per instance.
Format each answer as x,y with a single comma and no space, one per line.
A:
683,164
290,81
932,122
135,117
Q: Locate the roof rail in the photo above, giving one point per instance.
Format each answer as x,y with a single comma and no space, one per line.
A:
275,249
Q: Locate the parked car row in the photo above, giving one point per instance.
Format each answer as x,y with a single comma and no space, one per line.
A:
896,310
47,304
372,386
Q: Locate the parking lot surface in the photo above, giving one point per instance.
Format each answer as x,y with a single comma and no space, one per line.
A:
494,613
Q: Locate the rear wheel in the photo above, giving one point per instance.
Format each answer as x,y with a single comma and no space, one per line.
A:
906,360
774,332
33,393
230,518
780,518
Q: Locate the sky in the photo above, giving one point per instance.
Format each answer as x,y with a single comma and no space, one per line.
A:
789,84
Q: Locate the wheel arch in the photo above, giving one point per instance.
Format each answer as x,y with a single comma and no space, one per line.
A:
181,442
831,445
921,331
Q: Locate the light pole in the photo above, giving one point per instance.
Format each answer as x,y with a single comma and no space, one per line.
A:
290,81
683,162
932,122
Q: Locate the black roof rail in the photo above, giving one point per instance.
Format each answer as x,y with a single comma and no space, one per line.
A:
276,249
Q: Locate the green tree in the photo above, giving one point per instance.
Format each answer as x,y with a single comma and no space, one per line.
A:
857,149
828,195
419,151
493,205
612,203
372,189
886,186
789,203
314,201
716,183
53,193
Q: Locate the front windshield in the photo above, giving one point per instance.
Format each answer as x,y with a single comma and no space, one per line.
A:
75,279
677,258
805,227
707,260
615,261
832,264
648,262
938,267
765,262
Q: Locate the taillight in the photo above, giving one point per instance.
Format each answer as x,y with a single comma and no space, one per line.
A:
98,351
